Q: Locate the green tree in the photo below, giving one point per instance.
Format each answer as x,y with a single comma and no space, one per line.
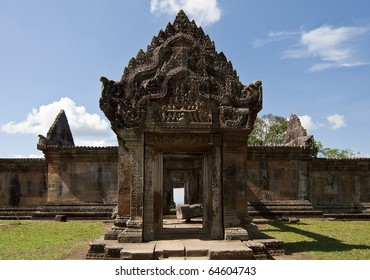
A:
320,151
268,130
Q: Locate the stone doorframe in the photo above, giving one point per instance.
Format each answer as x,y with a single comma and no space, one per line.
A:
158,147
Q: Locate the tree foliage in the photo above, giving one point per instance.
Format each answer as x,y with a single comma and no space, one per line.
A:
320,151
269,130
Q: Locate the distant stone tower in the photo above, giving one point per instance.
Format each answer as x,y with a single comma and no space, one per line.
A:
296,134
59,133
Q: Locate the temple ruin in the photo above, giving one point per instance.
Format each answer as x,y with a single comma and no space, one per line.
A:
182,168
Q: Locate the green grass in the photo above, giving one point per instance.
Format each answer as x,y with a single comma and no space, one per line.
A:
45,240
318,239
323,239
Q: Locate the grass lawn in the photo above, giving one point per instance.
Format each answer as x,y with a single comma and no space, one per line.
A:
323,239
318,239
45,240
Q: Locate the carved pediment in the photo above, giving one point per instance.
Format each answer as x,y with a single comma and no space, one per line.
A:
180,79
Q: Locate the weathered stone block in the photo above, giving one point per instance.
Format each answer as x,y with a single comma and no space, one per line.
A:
113,251
230,250
138,251
60,218
169,249
130,235
236,233
187,211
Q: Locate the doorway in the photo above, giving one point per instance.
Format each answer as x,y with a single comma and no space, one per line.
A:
182,201
182,179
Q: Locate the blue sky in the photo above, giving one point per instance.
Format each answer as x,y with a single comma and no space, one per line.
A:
312,57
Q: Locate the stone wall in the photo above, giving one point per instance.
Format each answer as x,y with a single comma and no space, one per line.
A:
277,173
89,175
81,174
23,182
290,173
340,185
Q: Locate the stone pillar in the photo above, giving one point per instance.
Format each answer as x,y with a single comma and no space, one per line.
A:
131,184
53,181
302,180
124,185
216,194
236,218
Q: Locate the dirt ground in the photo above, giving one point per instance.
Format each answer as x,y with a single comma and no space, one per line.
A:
80,254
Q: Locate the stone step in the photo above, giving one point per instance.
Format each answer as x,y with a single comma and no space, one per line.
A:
343,208
138,251
185,249
76,208
18,217
85,211
21,213
169,248
73,215
281,202
365,216
282,208
287,213
16,213
18,209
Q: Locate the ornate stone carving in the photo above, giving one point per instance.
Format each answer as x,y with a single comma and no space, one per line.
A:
176,139
184,81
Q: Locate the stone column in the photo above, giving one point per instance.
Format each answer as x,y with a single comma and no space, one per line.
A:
302,180
131,184
236,218
215,182
53,181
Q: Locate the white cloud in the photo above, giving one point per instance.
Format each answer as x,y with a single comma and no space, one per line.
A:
307,123
273,37
336,121
204,12
334,47
86,127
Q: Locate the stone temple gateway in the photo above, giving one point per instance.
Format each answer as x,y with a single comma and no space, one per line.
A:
182,119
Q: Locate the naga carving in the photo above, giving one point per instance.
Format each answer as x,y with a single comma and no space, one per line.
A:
180,80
